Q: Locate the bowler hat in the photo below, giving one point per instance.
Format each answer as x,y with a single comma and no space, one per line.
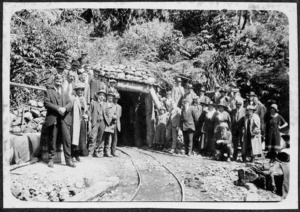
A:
76,63
252,94
79,86
101,91
275,107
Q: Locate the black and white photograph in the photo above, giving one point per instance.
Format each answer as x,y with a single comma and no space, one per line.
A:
150,105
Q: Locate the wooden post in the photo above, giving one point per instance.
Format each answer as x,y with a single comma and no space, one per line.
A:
150,119
137,131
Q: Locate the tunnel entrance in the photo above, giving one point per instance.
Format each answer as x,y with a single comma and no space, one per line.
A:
133,120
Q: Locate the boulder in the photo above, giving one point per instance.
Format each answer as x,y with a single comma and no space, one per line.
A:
121,75
12,117
28,116
40,104
17,121
33,103
35,113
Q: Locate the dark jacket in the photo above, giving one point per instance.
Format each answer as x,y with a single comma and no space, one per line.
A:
96,111
188,119
237,119
53,101
96,85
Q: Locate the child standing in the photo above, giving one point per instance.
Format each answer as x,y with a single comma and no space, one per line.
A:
161,126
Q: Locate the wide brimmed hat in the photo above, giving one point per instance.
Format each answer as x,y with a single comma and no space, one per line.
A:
223,125
79,86
195,97
162,108
178,79
110,93
80,71
112,81
251,107
101,91
117,96
275,107
222,104
283,157
239,100
217,86
252,94
210,103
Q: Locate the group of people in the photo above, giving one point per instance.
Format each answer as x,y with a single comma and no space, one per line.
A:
219,125
82,113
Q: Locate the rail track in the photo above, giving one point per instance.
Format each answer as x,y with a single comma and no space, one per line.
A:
156,184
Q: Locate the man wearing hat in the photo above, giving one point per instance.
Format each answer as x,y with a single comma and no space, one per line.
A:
252,134
188,120
82,60
74,68
96,84
232,98
237,119
223,98
161,127
202,96
79,123
118,125
58,121
110,118
188,95
198,111
174,125
112,84
168,102
61,70
96,144
217,93
177,90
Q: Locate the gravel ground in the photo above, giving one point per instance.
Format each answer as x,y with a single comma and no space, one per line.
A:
204,179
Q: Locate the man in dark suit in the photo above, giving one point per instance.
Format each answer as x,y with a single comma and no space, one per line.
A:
58,120
237,118
96,143
118,125
188,120
96,84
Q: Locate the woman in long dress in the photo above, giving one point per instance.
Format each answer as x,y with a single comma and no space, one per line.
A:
274,124
207,142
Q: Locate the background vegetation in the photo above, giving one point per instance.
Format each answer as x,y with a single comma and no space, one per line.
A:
203,47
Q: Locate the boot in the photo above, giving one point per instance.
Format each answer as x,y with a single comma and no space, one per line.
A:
50,164
70,163
107,154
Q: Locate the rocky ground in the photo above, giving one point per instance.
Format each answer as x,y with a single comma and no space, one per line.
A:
204,179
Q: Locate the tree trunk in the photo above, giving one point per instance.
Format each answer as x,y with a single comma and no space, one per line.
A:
150,120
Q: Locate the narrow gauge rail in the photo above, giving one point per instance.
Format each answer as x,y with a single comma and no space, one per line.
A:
142,180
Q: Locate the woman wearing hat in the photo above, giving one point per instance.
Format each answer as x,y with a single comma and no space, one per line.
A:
223,140
79,124
274,124
161,127
222,115
252,135
207,128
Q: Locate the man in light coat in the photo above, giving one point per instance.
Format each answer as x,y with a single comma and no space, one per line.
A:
177,90
252,134
174,122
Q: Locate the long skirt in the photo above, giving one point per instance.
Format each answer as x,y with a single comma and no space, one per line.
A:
82,145
160,134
